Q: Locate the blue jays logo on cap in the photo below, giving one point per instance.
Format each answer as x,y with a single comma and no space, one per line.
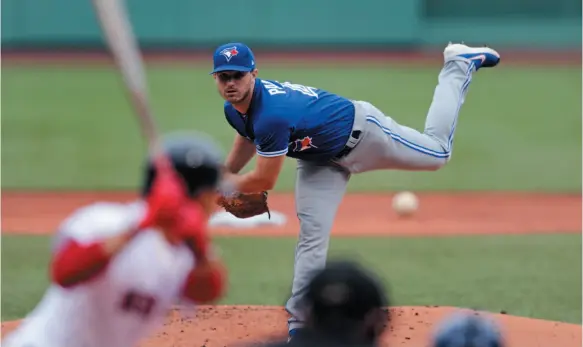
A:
233,57
229,52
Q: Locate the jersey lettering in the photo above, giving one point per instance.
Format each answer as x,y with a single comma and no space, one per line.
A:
274,89
309,91
138,303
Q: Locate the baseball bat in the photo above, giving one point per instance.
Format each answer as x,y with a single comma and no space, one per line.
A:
124,47
123,44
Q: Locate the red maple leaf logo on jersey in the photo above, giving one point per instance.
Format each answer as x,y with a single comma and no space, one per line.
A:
229,53
303,144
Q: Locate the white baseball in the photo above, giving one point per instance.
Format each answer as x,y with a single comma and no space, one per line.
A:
405,203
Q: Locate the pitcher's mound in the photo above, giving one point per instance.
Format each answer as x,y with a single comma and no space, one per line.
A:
411,327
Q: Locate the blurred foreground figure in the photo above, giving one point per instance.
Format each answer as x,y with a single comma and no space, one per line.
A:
118,268
346,306
467,330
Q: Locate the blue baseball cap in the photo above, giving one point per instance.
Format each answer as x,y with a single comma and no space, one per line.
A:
233,57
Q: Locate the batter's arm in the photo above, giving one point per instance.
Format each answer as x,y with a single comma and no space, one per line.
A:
206,283
77,262
241,153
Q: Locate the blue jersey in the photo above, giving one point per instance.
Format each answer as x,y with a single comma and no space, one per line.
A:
298,121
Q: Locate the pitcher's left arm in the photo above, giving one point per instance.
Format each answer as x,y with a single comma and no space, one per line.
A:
272,140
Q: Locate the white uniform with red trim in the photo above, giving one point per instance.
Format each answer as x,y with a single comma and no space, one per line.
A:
124,303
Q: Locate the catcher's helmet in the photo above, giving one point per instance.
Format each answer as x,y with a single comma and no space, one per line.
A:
196,158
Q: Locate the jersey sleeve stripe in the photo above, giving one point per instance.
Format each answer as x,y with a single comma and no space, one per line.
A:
273,154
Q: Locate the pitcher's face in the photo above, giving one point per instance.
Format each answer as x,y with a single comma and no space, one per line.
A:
235,86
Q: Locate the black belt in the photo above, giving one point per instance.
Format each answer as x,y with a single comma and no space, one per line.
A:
347,149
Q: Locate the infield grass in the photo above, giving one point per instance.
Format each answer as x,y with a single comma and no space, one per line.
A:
72,128
534,275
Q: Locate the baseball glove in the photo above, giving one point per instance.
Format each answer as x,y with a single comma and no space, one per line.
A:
243,205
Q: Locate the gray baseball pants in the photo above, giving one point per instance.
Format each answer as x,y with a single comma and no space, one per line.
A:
383,144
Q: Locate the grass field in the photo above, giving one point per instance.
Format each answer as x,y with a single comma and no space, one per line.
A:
71,128
533,276
519,129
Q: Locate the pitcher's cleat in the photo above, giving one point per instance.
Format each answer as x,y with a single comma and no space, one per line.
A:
478,56
293,334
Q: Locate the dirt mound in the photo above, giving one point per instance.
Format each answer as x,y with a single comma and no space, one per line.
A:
411,327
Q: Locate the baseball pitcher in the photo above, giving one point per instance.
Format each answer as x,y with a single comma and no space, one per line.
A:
117,268
332,137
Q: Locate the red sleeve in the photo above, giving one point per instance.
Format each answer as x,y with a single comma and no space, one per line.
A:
75,263
205,283
193,230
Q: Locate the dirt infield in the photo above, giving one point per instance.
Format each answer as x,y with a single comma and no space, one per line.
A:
439,214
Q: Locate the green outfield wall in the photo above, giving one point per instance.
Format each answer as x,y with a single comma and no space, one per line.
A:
300,23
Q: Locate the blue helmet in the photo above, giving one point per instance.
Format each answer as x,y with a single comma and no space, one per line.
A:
467,330
196,158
